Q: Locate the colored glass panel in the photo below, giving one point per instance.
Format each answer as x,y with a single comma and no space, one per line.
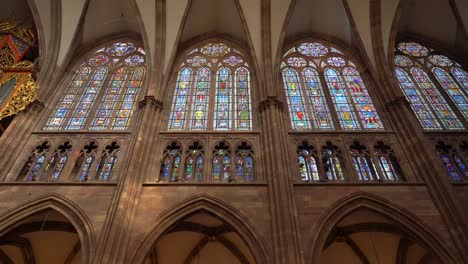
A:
134,60
296,62
461,76
216,168
387,168
413,95
440,60
299,117
199,169
108,103
403,61
32,175
336,61
452,88
189,167
176,168
321,116
341,100
222,114
121,49
59,168
87,99
413,49
333,169
313,49
215,49
167,168
363,102
435,99
198,119
180,101
242,104
84,174
64,108
461,166
452,170
226,168
249,168
127,104
108,168
239,166
364,168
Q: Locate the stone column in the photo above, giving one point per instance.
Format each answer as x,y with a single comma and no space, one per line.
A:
118,225
286,246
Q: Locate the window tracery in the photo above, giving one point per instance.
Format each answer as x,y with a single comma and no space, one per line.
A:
108,161
455,166
244,163
344,104
427,78
34,163
85,162
332,162
222,163
170,166
194,164
103,92
307,158
388,162
363,163
212,91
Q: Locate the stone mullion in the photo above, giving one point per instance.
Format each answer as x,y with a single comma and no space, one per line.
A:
115,236
16,137
286,246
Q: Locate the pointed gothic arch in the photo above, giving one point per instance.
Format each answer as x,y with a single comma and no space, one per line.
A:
199,203
411,224
78,218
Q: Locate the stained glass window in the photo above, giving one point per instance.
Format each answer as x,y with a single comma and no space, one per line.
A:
453,90
179,105
223,100
84,173
425,65
32,175
443,110
310,105
451,167
461,76
387,168
244,163
242,106
341,100
369,117
171,163
106,166
321,114
413,95
64,109
332,164
221,163
194,163
120,69
199,115
218,96
308,166
299,118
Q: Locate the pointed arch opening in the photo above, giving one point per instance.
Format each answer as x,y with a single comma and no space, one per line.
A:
202,229
48,229
363,228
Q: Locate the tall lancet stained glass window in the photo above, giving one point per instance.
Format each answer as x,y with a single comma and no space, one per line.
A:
212,90
325,91
435,85
103,92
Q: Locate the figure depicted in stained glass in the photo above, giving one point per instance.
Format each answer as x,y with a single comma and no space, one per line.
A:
226,106
121,67
428,102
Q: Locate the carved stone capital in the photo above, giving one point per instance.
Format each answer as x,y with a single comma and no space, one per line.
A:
270,101
397,102
150,100
36,106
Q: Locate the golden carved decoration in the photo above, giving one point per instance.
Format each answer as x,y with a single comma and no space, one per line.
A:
7,57
24,93
25,32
